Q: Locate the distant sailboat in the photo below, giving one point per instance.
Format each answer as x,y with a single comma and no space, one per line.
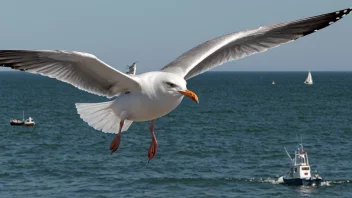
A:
309,79
273,83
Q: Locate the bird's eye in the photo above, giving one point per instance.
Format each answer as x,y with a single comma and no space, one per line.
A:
171,84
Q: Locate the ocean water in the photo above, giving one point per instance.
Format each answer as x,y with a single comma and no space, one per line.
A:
229,145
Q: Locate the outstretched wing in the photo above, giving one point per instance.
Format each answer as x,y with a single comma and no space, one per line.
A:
241,44
82,70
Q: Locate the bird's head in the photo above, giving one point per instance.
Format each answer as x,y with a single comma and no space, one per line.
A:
175,86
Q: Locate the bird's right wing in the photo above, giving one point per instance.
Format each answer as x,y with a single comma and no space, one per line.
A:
238,45
82,70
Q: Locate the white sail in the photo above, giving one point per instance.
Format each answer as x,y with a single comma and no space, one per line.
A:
309,79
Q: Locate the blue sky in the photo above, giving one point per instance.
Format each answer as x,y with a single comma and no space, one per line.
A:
156,32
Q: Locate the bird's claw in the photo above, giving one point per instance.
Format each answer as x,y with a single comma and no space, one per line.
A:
152,150
115,143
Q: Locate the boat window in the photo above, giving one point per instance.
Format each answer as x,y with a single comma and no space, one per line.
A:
305,168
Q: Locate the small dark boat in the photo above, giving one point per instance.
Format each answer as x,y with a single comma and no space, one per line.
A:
16,122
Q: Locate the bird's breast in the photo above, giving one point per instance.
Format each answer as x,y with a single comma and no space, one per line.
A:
143,107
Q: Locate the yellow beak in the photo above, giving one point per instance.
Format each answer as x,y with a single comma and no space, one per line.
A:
190,94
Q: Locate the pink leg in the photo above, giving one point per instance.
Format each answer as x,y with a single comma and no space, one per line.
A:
116,141
154,144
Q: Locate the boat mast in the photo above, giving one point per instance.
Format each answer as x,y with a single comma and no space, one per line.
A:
23,115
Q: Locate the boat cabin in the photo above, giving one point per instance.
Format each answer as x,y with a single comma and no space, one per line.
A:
30,119
300,167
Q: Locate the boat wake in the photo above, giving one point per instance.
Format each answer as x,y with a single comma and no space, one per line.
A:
280,180
230,180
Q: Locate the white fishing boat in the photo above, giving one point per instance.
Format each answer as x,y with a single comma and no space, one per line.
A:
300,171
29,122
273,83
309,79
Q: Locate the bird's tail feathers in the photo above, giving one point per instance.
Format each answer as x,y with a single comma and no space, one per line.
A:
101,116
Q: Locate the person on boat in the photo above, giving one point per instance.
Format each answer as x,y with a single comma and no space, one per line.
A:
316,175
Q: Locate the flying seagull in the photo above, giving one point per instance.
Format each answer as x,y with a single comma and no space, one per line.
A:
151,95
132,68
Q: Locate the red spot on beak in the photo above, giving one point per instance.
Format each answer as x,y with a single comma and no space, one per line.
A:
190,94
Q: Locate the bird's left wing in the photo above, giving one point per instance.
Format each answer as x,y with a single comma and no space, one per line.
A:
245,43
82,70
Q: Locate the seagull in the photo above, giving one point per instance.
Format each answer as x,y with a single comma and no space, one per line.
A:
151,95
132,68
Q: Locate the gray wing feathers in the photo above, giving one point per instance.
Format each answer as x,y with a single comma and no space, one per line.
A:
82,70
241,44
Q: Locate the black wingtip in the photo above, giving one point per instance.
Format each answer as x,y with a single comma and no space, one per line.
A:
327,20
340,14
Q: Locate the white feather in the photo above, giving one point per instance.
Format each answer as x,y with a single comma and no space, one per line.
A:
101,116
82,70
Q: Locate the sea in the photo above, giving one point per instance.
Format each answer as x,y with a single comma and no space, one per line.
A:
231,144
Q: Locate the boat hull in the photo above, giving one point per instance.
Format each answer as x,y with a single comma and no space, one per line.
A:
308,83
28,124
303,182
16,123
